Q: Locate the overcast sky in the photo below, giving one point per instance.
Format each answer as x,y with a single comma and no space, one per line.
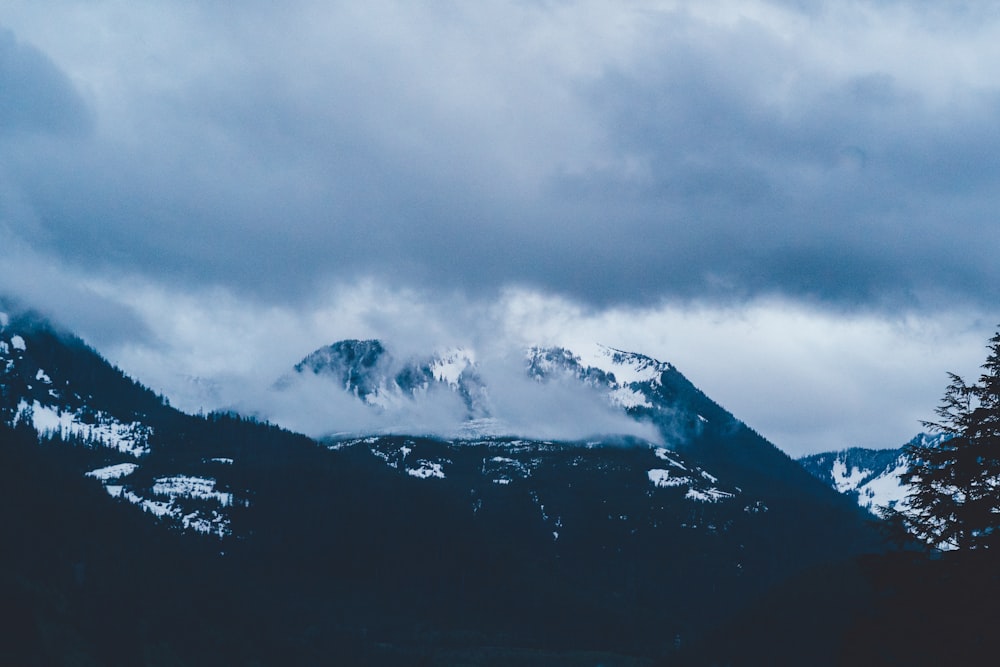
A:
793,202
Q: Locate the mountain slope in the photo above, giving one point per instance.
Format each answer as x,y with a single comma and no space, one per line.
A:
871,476
383,549
116,432
640,389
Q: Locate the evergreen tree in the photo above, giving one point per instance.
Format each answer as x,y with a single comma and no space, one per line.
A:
954,502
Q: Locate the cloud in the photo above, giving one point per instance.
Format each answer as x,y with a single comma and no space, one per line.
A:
37,96
319,407
808,379
834,153
560,409
39,282
213,350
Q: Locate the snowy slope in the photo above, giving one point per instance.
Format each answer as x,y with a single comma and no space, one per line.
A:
870,475
130,452
691,454
55,385
626,377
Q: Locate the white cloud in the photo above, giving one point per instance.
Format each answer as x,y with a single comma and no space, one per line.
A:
807,378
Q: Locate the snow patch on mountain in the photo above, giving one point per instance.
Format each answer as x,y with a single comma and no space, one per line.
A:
92,427
663,478
158,508
427,469
505,470
664,454
844,480
711,495
73,414
168,496
448,366
870,475
113,472
212,523
627,397
208,523
702,485
627,367
191,487
627,379
168,501
885,490
357,386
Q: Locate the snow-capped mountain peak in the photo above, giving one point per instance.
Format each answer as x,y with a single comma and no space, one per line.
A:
630,379
629,393
358,365
626,367
367,370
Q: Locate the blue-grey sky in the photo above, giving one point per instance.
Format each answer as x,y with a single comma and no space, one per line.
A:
788,200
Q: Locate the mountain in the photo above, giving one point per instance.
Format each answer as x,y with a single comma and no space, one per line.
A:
638,390
365,369
142,534
871,476
53,383
368,371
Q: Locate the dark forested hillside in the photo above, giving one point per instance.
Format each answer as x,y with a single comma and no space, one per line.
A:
136,534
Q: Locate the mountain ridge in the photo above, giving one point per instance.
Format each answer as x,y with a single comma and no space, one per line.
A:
871,476
384,536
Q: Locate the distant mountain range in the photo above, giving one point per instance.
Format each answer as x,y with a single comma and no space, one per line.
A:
871,476
367,544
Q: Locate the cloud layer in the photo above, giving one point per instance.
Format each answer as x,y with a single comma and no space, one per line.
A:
808,379
837,152
561,408
238,184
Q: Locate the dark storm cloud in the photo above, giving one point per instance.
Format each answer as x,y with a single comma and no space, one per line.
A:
692,155
42,119
851,190
35,96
